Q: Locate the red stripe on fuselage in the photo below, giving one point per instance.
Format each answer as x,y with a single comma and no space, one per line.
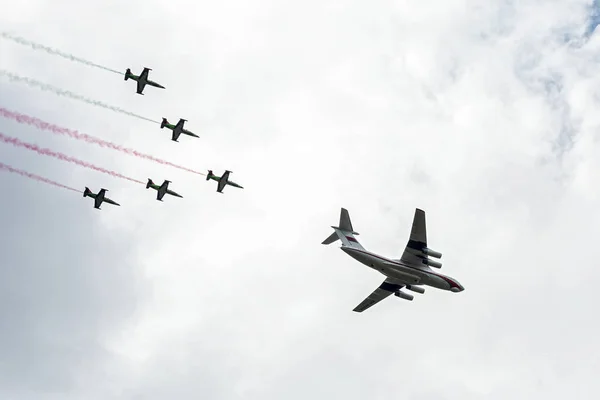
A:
350,238
450,281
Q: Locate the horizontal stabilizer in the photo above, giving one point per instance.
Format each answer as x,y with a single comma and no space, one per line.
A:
332,238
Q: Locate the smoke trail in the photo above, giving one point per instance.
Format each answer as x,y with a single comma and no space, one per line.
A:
38,123
61,92
55,52
35,177
47,152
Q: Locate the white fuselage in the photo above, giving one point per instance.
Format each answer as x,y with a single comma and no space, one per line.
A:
410,275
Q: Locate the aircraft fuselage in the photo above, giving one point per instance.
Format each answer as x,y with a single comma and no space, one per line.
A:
172,193
230,183
109,201
234,184
408,274
152,83
168,191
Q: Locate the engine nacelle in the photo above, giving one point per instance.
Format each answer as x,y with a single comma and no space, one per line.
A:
432,263
432,253
417,289
403,295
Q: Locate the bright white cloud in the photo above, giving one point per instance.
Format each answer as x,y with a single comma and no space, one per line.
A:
478,112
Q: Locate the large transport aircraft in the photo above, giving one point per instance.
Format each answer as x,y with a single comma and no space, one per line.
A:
412,271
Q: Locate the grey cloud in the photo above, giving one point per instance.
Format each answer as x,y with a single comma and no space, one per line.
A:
64,283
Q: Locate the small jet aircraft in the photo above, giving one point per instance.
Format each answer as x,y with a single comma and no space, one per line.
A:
142,80
99,198
411,271
162,189
177,129
223,180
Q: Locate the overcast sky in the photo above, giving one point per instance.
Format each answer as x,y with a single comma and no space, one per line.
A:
482,113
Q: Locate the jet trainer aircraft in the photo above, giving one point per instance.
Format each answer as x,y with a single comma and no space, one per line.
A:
99,198
223,180
162,189
177,129
142,80
411,271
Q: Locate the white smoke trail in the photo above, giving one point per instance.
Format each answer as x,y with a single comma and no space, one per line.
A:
37,46
61,92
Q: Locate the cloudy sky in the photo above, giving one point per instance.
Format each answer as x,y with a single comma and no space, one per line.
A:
483,113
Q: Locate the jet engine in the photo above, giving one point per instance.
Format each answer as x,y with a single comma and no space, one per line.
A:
432,253
417,289
403,295
432,263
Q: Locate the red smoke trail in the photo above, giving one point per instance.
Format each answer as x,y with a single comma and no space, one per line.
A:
35,177
64,157
46,126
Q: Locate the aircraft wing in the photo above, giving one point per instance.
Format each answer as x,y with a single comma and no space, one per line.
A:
162,190
99,198
387,288
223,181
418,240
176,134
144,74
141,84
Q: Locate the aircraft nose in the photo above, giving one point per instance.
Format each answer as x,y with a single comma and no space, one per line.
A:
458,288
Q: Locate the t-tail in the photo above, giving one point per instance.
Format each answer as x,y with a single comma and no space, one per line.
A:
127,73
344,232
150,183
163,123
87,192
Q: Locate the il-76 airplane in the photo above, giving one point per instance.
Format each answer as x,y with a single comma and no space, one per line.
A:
142,80
162,189
99,198
412,271
177,129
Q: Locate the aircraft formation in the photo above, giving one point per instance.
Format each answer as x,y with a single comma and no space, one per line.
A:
411,271
142,81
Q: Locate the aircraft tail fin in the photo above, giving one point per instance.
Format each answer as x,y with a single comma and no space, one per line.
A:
149,183
344,232
86,192
127,73
163,123
209,175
